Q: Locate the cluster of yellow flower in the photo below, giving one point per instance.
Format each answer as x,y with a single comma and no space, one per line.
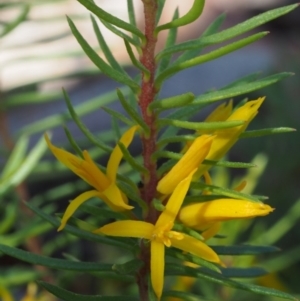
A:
172,189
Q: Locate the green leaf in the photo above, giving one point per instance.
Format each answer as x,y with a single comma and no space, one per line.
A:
82,127
230,32
105,49
192,15
132,160
132,113
128,268
88,106
8,216
132,19
26,98
175,139
19,19
122,243
118,115
206,57
220,279
211,29
185,296
69,296
99,62
16,157
199,125
160,7
25,168
172,102
244,250
73,142
170,41
17,276
103,15
213,96
225,191
266,132
135,62
55,263
121,34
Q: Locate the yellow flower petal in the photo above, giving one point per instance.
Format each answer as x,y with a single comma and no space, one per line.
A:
138,229
189,161
220,113
157,267
5,294
117,155
117,200
211,231
84,168
199,215
75,204
226,138
196,247
175,201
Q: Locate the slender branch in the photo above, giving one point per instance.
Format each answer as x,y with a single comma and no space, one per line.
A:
147,95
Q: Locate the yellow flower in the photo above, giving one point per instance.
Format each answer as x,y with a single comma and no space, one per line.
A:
192,159
226,138
5,295
161,235
104,183
201,216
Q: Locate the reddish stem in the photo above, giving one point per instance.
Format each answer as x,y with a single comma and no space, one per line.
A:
146,96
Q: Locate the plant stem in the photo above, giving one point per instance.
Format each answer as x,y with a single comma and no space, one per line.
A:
146,96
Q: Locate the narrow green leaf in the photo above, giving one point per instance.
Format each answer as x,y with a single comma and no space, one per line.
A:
16,157
172,102
191,258
88,106
128,268
161,5
132,18
103,15
225,191
170,41
132,113
175,139
211,29
122,35
25,7
266,132
8,217
184,296
199,125
230,33
25,168
80,233
69,296
135,62
102,213
105,49
99,62
26,98
192,15
15,276
207,57
213,96
82,127
243,80
118,115
133,195
73,142
55,263
132,160
220,279
244,250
